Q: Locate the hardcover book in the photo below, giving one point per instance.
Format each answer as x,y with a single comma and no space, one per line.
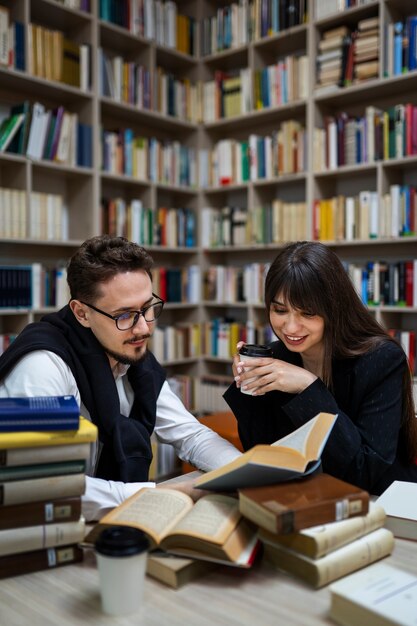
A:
379,595
43,512
317,541
38,560
345,560
295,455
294,505
211,529
29,538
41,455
37,489
400,504
28,442
24,472
39,413
176,571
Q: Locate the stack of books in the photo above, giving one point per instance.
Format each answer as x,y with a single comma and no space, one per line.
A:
319,528
44,451
332,57
367,49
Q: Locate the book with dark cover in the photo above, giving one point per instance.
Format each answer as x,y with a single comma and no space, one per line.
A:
24,472
291,506
38,560
44,512
293,456
39,413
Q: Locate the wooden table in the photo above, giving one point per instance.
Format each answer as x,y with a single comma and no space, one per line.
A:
69,596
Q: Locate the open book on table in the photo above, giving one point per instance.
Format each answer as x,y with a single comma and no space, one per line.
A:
211,529
297,454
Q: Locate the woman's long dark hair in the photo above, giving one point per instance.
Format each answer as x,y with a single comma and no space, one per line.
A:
310,277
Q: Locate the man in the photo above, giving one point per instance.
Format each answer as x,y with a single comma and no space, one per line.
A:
95,348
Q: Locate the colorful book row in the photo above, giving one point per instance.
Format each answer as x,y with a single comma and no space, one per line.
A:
32,286
237,24
378,135
367,216
168,227
382,283
52,134
153,19
148,159
175,284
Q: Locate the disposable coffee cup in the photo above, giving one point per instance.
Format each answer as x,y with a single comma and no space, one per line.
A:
121,553
253,351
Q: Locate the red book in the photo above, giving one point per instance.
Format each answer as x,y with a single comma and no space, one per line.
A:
409,283
412,352
162,283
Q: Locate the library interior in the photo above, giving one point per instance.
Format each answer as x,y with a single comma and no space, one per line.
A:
211,133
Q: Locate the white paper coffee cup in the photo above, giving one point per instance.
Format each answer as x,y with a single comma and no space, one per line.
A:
121,553
248,352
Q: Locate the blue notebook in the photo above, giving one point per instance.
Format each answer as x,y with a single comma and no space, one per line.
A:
39,413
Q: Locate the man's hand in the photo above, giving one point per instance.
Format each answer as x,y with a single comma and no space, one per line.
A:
186,486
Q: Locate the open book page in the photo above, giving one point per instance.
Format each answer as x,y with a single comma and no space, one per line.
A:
310,438
155,511
213,518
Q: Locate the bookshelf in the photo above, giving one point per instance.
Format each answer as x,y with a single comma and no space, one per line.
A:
127,121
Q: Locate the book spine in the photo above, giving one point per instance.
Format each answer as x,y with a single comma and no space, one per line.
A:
348,559
45,512
13,457
21,491
38,560
29,538
322,512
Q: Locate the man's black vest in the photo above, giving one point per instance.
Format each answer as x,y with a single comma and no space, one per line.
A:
126,448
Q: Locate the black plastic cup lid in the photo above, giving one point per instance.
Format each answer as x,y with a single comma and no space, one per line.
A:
121,541
251,349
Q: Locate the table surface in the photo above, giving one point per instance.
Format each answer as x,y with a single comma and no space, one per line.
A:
227,596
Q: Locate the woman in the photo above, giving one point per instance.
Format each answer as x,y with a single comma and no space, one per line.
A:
331,356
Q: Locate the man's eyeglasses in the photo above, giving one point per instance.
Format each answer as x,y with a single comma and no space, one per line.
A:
128,319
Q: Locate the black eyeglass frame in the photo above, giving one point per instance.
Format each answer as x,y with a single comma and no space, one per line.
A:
138,313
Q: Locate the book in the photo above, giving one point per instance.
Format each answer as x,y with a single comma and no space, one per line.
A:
8,130
380,595
24,472
291,506
13,440
211,529
39,413
399,503
347,559
44,454
37,489
43,512
316,541
29,538
176,571
38,560
293,456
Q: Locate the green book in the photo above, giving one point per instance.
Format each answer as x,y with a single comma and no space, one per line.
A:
23,472
8,129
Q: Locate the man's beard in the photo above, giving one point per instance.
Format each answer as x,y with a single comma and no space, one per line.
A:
124,359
